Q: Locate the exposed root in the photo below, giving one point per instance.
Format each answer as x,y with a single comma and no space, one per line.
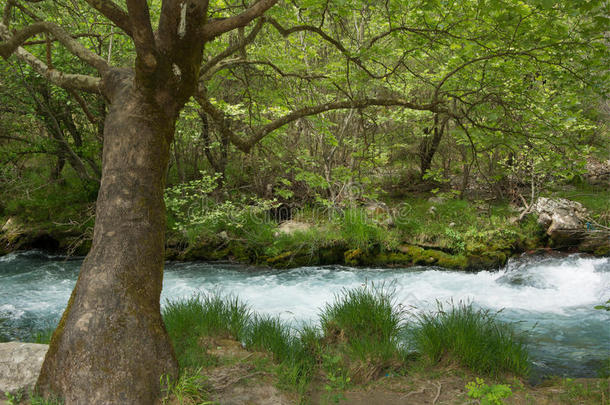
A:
438,392
413,393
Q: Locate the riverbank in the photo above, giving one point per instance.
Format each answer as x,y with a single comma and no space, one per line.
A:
229,354
427,230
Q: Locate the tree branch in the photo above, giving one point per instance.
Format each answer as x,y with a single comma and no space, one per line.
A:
317,30
65,80
10,43
114,13
143,37
214,28
231,49
260,132
75,36
236,62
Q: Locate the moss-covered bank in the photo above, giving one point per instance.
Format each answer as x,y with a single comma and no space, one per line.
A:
449,233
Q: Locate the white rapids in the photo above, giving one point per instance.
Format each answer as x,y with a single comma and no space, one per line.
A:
552,298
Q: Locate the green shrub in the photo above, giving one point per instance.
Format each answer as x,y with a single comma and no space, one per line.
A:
473,337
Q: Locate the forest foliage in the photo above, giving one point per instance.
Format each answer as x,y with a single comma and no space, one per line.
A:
325,104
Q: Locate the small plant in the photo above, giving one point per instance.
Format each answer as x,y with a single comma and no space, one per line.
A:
488,395
14,398
337,380
456,240
605,306
20,397
188,389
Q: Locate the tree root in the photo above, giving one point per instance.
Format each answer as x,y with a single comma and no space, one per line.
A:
438,393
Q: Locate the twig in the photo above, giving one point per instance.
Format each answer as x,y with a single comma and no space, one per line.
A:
438,393
528,208
413,393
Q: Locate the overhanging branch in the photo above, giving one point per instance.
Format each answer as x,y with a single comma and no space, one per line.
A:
11,42
260,132
217,27
114,13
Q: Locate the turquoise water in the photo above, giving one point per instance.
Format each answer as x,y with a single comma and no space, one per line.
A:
549,298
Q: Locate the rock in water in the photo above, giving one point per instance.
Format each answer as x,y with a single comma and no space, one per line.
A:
563,219
20,365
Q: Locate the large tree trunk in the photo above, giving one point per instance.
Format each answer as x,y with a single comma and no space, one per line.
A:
111,346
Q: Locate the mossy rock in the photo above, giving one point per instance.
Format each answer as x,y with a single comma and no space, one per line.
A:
292,259
486,261
597,244
392,259
203,251
353,257
334,254
457,262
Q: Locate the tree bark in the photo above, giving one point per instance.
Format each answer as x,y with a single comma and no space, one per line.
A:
429,146
111,345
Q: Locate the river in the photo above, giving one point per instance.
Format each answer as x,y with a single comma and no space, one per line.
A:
551,298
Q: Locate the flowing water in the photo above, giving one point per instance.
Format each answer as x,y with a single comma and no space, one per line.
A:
549,298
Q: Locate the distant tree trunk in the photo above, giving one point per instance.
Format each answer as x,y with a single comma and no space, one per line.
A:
218,164
465,171
59,166
111,345
178,160
429,145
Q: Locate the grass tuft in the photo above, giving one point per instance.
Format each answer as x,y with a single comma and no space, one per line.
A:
189,319
364,325
188,389
472,337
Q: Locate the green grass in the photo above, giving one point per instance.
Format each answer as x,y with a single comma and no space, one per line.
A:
358,230
472,337
42,336
364,326
189,388
187,320
361,336
296,363
585,392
